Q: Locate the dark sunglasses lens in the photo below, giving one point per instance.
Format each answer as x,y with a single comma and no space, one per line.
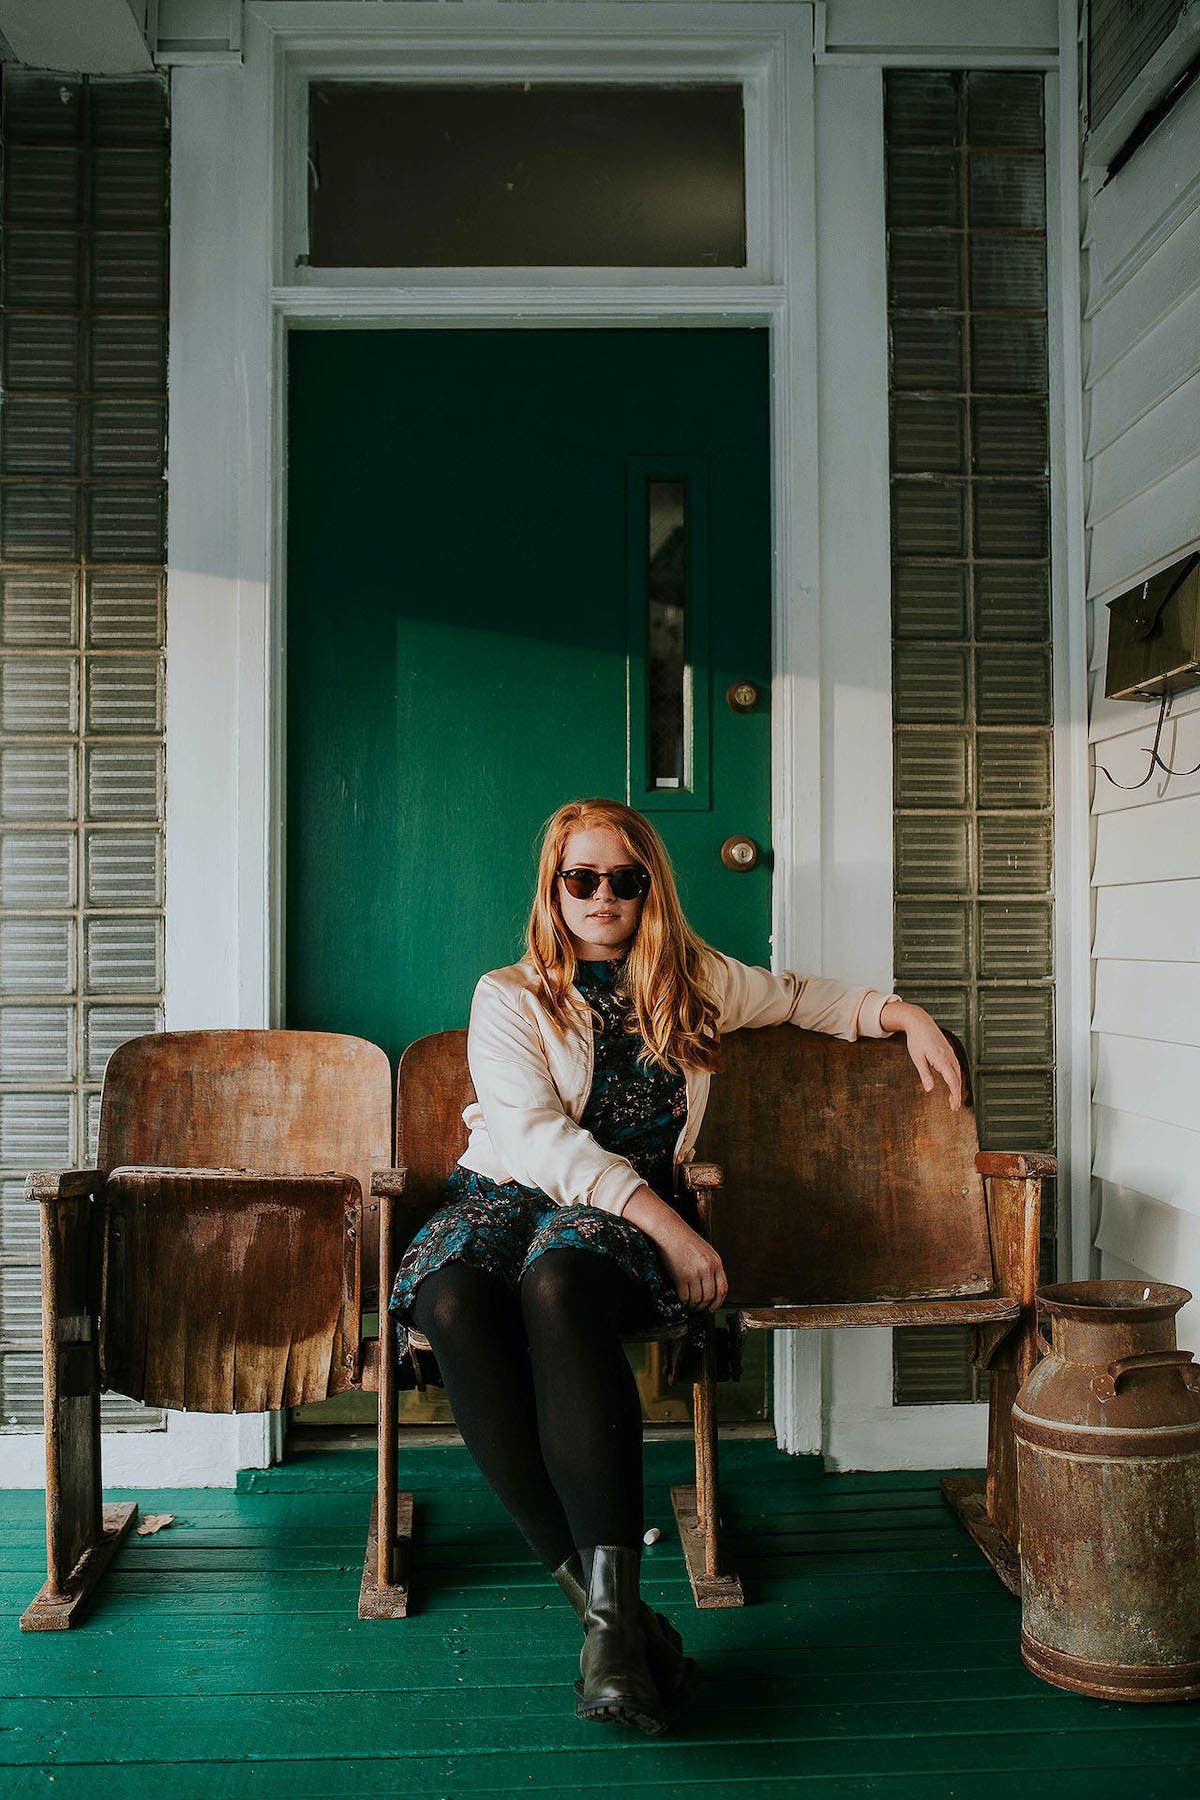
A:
581,884
627,884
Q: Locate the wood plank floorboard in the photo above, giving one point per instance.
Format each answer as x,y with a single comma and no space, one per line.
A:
223,1660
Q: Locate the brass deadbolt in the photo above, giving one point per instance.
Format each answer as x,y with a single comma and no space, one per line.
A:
743,696
739,853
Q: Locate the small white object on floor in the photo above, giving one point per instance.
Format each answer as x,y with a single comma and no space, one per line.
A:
652,1536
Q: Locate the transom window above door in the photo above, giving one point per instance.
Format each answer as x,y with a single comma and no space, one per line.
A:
526,175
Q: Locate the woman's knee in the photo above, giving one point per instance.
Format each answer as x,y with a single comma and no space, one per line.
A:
565,1287
457,1299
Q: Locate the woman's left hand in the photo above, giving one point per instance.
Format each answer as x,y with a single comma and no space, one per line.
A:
931,1050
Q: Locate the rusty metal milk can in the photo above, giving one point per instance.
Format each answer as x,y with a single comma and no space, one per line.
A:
1108,1468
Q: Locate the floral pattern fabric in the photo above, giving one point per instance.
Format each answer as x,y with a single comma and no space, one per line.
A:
634,1109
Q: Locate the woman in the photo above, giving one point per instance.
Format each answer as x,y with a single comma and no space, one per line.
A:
561,1227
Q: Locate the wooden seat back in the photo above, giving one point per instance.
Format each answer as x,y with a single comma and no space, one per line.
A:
433,1088
844,1181
238,1229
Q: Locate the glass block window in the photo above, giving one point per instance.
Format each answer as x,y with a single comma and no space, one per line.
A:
82,505
971,670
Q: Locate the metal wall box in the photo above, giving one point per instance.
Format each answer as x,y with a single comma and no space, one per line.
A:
1154,635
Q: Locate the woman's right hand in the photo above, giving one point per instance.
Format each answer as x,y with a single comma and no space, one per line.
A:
691,1262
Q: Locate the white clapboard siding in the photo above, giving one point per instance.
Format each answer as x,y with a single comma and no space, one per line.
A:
1149,843
1162,1161
1113,718
1154,921
1159,1000
1115,323
1129,541
1141,1237
1127,759
1151,369
1137,211
1150,1079
1153,447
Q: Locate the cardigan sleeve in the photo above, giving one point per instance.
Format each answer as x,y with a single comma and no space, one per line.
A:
537,1141
752,996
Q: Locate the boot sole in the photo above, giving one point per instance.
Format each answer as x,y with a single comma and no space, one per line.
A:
675,1698
620,1712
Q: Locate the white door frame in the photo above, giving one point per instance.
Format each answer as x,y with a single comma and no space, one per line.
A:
235,293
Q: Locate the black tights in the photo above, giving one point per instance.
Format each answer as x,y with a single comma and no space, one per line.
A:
543,1393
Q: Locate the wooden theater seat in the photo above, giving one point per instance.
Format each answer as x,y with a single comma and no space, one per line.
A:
840,1193
218,1259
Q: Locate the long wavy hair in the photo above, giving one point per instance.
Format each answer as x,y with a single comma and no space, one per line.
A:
667,972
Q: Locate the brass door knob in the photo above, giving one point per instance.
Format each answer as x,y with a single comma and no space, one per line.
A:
743,696
739,853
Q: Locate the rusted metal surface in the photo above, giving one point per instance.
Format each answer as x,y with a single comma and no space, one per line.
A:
1107,1431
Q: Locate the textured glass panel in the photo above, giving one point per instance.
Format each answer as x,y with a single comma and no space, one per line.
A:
37,956
1009,355
125,610
924,188
921,107
39,524
129,353
1008,274
40,437
37,1131
123,955
37,869
927,351
1010,437
129,270
129,112
1013,685
1004,109
41,353
125,782
1015,1109
124,868
933,941
42,269
931,769
532,173
1014,941
932,1366
41,184
1016,1025
129,187
1014,855
930,685
950,1006
37,1043
107,1026
932,855
20,1223
20,1302
39,694
1012,518
91,1103
1013,602
41,106
38,783
666,634
925,269
126,438
928,435
21,1399
124,696
929,600
1006,192
928,518
126,524
1014,770
39,610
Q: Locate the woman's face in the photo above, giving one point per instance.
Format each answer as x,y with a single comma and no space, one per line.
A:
602,926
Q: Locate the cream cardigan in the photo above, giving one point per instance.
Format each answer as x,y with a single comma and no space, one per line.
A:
532,1078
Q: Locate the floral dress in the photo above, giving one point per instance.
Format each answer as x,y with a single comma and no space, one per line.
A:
635,1109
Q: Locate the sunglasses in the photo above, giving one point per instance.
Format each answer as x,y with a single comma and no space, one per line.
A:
626,884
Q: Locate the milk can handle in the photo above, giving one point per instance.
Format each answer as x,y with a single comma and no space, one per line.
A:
1105,1386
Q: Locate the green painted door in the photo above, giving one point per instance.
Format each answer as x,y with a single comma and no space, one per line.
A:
523,566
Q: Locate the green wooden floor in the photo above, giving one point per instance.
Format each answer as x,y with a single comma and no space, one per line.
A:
877,1655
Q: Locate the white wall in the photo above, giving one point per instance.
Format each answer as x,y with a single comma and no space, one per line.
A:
1141,362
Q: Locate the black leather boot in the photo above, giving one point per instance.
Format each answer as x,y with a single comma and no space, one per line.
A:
617,1684
671,1671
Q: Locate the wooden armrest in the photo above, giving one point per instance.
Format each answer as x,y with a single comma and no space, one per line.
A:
63,1184
389,1183
1014,1165
698,1176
